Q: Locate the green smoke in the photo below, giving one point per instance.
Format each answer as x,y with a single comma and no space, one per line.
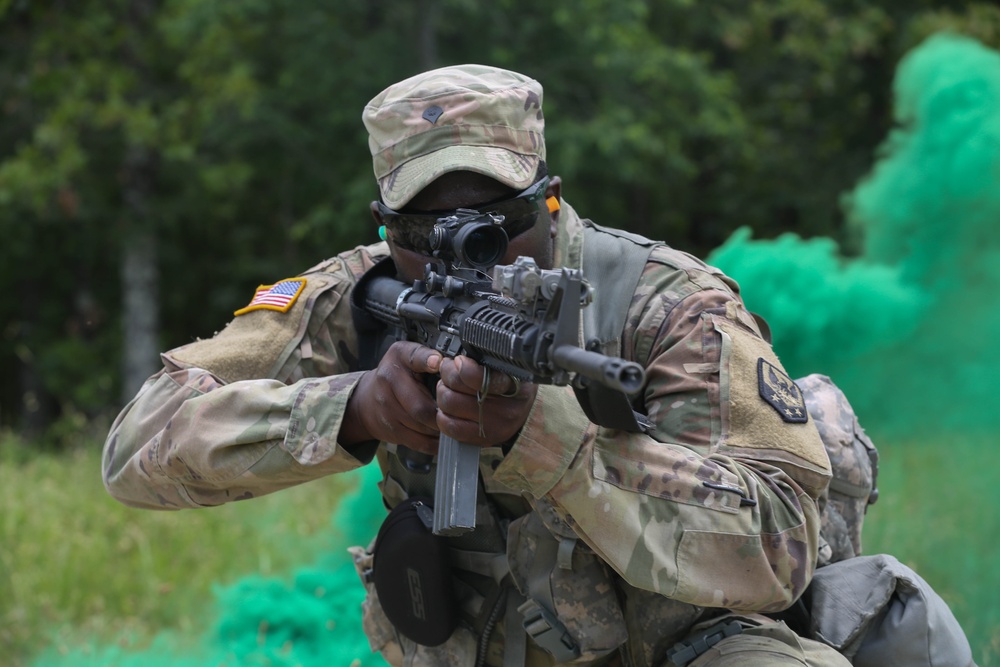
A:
909,328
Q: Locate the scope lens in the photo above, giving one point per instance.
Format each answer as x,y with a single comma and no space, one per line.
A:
481,248
480,245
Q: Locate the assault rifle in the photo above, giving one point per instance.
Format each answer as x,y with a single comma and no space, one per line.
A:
523,322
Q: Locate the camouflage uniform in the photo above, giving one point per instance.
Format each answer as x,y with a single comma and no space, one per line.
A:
715,510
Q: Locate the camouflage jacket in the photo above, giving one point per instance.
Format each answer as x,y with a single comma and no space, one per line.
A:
715,508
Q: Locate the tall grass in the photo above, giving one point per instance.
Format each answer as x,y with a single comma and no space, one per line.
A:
78,569
939,513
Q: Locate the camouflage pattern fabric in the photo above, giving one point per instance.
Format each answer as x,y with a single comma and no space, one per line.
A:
766,643
853,459
191,439
582,590
682,513
474,117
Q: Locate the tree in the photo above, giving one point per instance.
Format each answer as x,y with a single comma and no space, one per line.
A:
196,149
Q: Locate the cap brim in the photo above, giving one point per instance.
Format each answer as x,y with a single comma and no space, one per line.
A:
514,170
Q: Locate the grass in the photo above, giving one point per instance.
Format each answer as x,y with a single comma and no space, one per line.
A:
78,569
938,513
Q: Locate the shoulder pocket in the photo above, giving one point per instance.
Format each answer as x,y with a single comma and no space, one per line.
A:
257,343
761,407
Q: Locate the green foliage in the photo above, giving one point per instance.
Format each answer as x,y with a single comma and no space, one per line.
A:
233,131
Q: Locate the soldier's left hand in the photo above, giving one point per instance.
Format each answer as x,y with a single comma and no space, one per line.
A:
471,415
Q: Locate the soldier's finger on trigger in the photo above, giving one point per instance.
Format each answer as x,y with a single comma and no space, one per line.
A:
507,386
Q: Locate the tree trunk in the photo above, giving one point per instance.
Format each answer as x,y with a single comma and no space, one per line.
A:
140,277
427,15
140,274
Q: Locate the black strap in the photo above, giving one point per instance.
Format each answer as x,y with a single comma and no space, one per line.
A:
613,262
686,651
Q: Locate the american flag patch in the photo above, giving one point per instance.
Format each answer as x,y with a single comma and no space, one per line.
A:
280,296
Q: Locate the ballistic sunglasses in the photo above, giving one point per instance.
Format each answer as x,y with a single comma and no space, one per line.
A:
412,231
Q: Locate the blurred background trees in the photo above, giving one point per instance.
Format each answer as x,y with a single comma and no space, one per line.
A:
161,158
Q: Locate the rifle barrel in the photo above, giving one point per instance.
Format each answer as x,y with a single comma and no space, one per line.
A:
612,372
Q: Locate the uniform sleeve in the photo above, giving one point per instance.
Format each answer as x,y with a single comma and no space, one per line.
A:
187,440
717,505
255,409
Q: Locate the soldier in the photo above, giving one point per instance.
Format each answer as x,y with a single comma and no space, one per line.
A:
594,546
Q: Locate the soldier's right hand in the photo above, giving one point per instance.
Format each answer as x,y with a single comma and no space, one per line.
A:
392,403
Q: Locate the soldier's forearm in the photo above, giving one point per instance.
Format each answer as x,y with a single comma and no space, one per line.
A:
353,430
189,441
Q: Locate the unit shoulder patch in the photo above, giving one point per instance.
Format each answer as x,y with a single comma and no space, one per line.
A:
781,392
280,296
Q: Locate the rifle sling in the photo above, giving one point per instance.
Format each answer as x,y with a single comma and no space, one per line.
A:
613,262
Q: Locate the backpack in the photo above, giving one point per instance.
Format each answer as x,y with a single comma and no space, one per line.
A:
854,463
872,609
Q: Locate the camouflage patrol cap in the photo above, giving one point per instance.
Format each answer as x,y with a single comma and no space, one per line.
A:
458,118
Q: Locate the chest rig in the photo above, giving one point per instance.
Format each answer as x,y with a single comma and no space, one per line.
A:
526,585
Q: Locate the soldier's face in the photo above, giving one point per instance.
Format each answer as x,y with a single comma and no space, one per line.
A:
469,190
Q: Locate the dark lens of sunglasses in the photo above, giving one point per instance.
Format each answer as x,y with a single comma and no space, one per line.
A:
411,231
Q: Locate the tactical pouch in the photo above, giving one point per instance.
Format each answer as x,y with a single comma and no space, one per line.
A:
571,610
412,574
